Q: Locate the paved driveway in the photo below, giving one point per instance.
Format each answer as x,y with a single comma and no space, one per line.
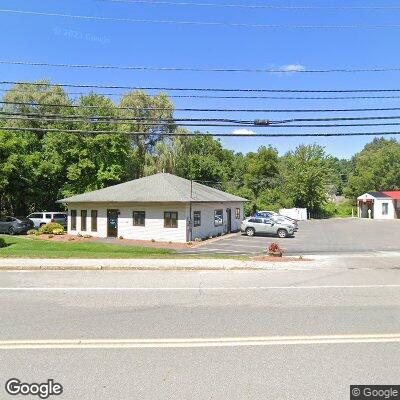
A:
318,237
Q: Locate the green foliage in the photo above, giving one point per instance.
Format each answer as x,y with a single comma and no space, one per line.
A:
376,168
50,228
36,169
58,231
32,232
307,172
2,243
341,210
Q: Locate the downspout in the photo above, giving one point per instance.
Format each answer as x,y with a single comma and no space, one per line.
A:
190,212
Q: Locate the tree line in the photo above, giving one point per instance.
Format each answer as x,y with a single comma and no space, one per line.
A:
39,167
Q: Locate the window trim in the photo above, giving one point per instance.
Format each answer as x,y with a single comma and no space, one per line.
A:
222,215
238,213
385,205
194,219
144,218
165,219
73,214
83,221
93,220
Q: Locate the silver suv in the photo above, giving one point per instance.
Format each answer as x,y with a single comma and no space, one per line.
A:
254,225
43,218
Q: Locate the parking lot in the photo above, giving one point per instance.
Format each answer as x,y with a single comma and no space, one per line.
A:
329,236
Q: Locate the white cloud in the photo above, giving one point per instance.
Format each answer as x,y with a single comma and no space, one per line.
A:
243,132
293,68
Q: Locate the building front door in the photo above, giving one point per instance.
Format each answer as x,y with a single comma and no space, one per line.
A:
112,223
228,220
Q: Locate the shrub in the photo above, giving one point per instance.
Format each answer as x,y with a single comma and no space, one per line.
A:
58,231
38,233
153,240
2,243
32,232
343,209
70,239
86,236
121,237
275,250
50,236
79,234
50,227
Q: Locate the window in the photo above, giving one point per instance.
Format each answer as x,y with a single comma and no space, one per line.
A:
93,217
48,216
59,216
218,217
385,208
196,218
170,219
83,220
139,218
73,220
36,216
237,213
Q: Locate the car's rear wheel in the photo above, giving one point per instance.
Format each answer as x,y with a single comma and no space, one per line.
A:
250,231
282,233
11,231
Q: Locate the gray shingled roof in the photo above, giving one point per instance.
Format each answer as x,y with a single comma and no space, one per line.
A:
158,188
378,195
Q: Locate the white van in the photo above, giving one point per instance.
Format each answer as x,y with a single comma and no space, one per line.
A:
42,218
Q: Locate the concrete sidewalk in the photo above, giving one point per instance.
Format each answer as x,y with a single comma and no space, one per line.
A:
145,264
371,260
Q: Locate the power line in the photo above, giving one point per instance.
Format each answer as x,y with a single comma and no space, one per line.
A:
84,132
125,119
197,89
104,119
250,110
196,69
253,6
233,97
197,23
166,124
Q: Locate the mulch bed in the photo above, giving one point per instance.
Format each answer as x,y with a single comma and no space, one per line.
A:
123,242
278,259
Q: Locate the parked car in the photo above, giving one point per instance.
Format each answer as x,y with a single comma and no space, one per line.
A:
15,225
42,218
278,218
254,225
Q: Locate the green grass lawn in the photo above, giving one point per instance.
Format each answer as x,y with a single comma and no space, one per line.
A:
19,246
32,247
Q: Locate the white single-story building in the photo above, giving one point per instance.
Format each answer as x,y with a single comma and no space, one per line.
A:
379,205
161,207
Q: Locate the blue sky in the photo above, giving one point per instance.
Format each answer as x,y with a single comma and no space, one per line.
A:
59,40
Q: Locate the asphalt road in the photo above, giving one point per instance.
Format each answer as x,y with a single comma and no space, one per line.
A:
201,335
330,236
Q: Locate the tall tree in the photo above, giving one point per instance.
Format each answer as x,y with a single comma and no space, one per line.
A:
149,114
307,172
376,167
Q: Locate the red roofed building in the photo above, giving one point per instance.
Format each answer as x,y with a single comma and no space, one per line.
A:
379,205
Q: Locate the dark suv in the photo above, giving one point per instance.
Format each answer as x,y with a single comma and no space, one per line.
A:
14,225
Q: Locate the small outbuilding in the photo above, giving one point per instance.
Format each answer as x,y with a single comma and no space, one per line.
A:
379,205
161,207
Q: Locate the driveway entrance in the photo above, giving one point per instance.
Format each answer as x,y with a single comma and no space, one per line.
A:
331,236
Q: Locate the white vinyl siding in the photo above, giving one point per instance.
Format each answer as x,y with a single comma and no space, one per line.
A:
207,210
154,221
